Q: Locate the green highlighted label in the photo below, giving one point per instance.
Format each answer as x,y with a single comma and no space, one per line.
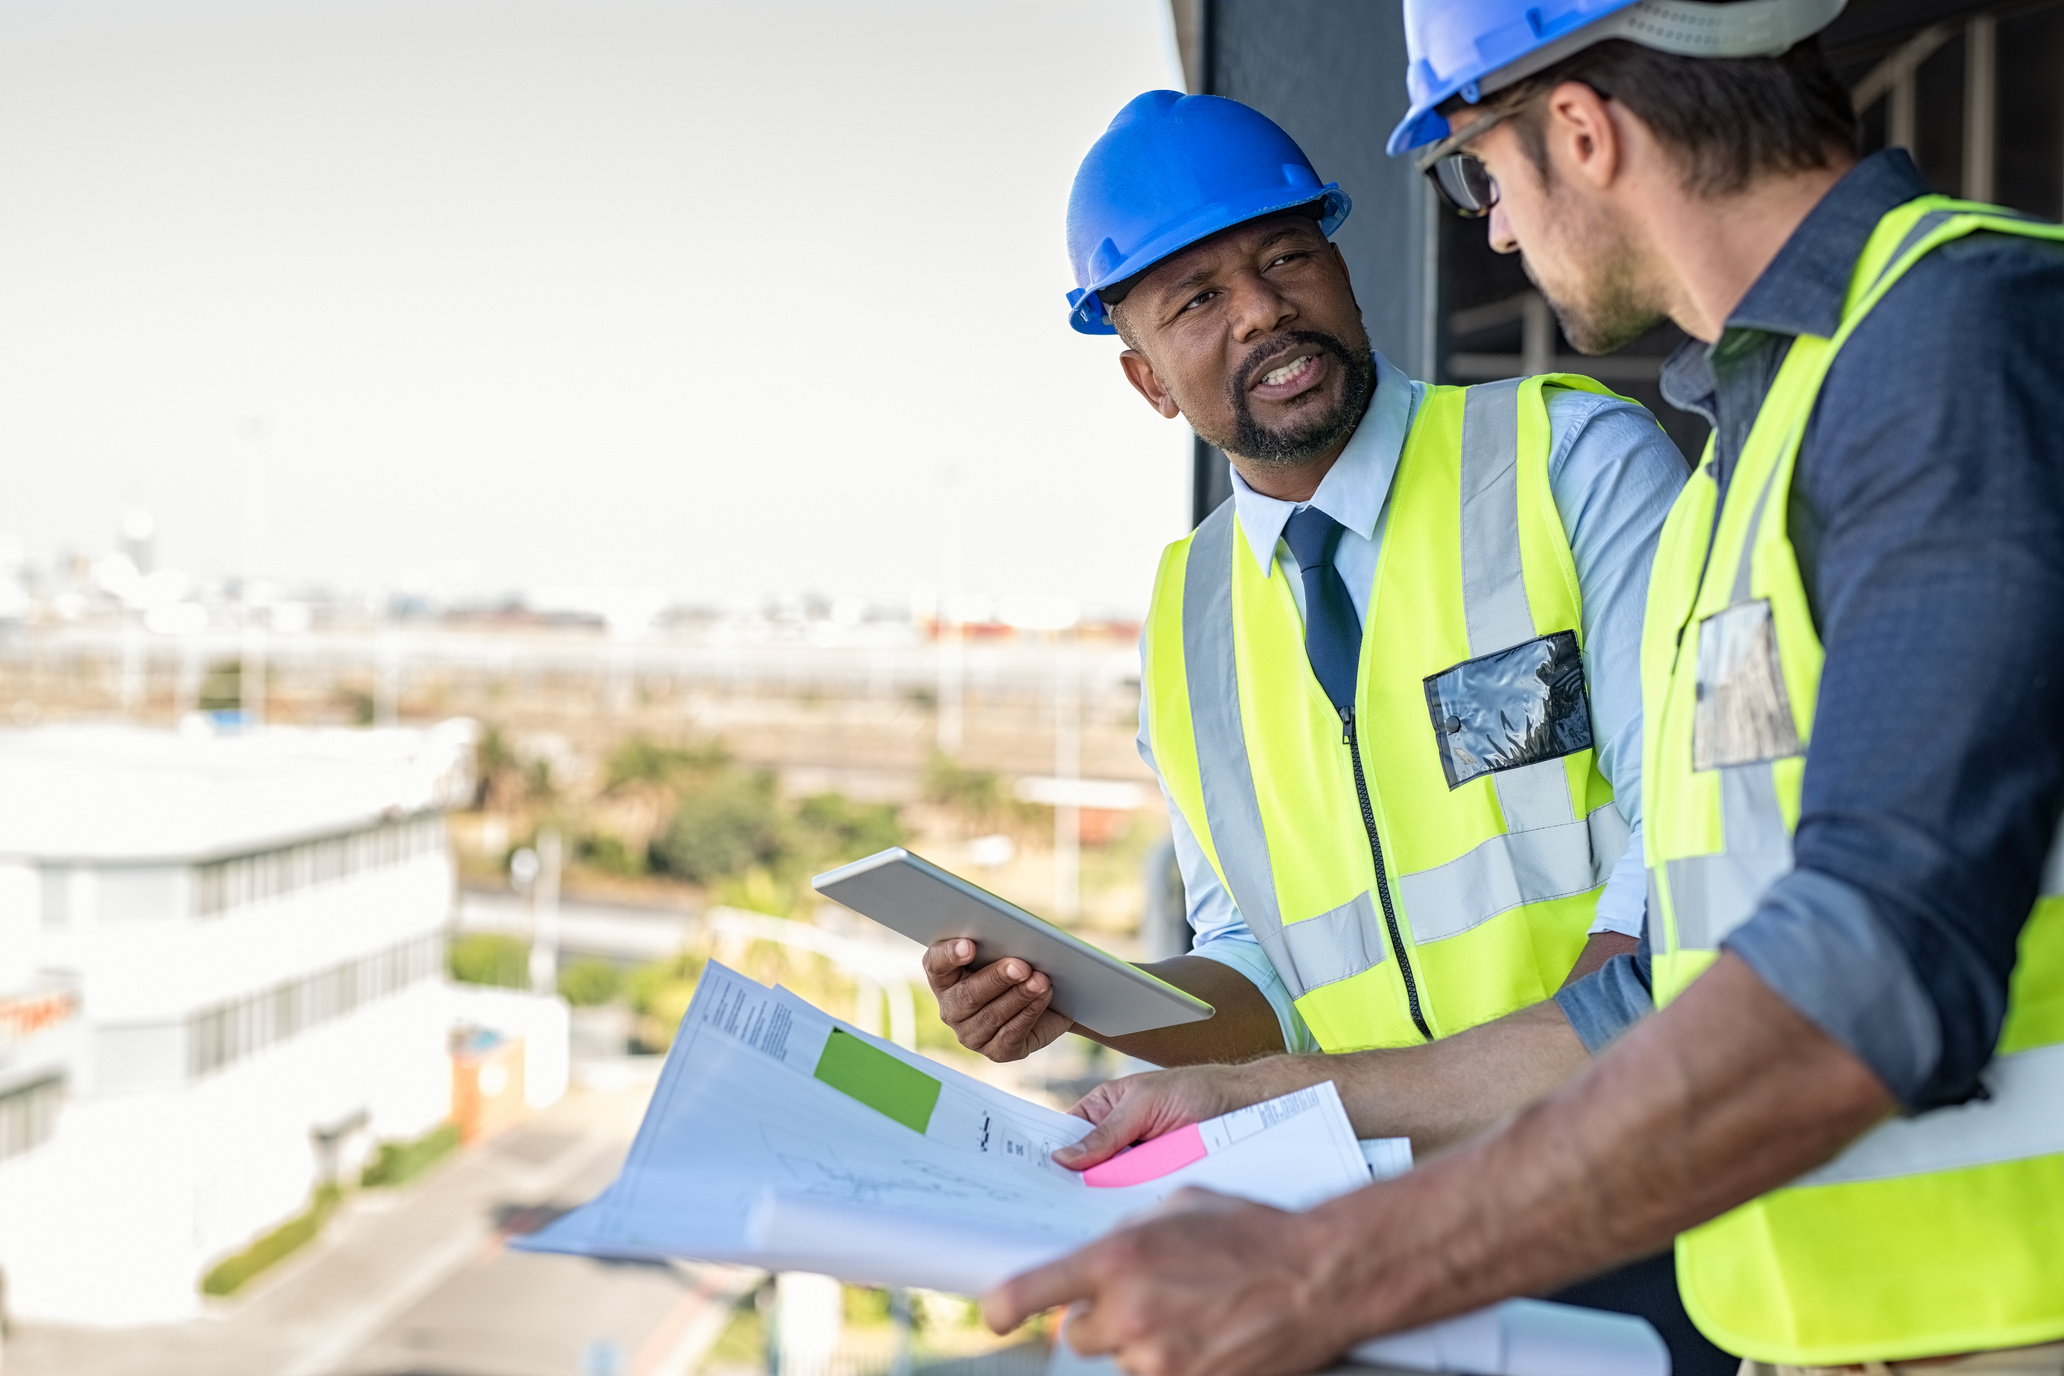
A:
878,1080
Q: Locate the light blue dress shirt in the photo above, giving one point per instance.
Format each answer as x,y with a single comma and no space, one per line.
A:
1613,474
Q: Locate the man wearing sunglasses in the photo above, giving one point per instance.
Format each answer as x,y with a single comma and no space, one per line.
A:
1389,687
1853,675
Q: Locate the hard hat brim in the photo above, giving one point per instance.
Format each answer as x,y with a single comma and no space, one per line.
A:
1686,28
1087,314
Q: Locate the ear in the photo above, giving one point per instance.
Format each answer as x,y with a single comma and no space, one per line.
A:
1147,383
1582,134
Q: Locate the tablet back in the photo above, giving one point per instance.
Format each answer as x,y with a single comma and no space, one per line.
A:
1098,990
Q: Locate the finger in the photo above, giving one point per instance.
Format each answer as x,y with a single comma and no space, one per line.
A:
943,961
1042,1288
1051,1024
1095,1106
976,991
983,1030
1073,1331
1125,1123
1020,1035
1089,1330
1195,1199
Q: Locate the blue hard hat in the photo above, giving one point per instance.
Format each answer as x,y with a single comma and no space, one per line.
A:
1172,170
1473,47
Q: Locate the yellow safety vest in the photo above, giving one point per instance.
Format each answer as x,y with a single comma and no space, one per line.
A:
1932,1235
1435,861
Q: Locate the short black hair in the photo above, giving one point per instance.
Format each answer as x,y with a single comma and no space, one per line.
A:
1727,120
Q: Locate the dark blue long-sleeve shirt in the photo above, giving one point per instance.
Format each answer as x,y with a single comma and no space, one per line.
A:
1928,515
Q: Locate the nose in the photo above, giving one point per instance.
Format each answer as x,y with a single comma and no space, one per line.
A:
1258,308
1503,240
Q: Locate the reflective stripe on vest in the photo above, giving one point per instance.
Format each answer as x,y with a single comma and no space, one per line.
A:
1263,755
1927,1236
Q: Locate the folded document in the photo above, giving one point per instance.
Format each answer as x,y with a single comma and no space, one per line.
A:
781,1138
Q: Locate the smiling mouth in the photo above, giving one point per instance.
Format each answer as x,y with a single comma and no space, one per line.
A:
1289,374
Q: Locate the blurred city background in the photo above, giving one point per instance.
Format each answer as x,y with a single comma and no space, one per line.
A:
501,493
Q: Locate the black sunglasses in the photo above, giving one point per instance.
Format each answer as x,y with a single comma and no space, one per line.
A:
1461,180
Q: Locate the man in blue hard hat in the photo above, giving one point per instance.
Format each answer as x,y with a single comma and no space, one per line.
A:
1434,873
1389,688
1853,665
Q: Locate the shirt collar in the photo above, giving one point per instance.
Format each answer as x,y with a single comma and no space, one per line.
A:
1802,290
1355,487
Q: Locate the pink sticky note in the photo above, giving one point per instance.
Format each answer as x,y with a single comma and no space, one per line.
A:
1150,1160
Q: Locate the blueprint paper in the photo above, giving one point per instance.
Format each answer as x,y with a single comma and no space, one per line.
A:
1517,1338
768,1109
1387,1156
782,1138
1526,1338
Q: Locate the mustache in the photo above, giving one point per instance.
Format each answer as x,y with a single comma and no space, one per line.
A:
1250,367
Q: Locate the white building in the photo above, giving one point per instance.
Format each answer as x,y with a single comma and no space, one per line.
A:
248,933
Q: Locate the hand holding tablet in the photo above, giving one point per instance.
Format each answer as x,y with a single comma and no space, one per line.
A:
1091,987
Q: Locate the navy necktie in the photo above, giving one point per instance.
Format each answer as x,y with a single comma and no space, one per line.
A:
1332,631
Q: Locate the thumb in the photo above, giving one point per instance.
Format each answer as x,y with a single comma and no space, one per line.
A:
1119,1129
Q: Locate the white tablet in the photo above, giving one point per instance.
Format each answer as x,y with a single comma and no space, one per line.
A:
1095,988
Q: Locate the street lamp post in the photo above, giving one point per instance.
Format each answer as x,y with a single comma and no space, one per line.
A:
544,915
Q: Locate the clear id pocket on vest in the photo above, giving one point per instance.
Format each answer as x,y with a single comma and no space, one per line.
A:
1743,714
1516,707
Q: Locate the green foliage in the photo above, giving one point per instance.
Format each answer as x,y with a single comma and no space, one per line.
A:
647,983
590,983
759,891
978,795
732,827
605,851
222,688
866,1306
743,1343
360,704
832,828
230,1274
640,761
490,958
507,780
659,993
725,824
397,1163
494,755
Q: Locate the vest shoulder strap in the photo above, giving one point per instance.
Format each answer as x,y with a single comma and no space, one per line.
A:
1910,232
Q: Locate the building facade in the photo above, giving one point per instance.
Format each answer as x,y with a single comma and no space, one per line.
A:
227,953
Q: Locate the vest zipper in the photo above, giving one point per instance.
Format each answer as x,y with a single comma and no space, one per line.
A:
1390,922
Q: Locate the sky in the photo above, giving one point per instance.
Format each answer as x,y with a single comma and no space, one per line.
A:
730,300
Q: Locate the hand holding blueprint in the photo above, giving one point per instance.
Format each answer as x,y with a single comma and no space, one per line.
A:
770,1109
781,1138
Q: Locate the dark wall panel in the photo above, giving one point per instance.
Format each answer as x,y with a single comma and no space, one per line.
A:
1333,75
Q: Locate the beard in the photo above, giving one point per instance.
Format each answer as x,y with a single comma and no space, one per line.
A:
1610,310
1310,435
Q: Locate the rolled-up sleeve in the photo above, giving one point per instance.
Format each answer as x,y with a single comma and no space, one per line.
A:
1609,1000
1928,512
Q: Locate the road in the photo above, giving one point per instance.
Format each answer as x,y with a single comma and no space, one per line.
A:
419,1282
